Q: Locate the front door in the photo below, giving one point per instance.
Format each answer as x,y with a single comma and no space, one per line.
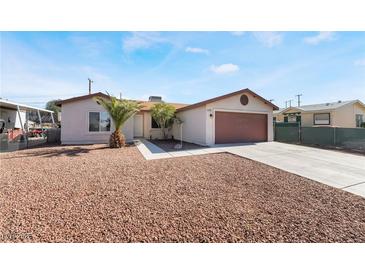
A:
138,125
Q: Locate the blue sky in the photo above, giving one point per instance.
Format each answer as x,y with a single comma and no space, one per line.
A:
183,67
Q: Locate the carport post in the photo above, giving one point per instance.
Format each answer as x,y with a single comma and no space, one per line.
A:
40,120
52,118
21,124
181,142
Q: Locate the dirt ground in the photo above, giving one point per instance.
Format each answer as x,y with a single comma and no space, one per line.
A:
97,194
169,145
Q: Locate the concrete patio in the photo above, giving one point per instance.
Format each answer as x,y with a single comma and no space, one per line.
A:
341,170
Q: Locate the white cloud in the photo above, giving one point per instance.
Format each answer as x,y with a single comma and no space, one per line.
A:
322,36
237,33
269,38
142,40
196,50
360,62
224,68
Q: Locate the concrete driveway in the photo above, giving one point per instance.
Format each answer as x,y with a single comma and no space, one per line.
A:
338,169
341,170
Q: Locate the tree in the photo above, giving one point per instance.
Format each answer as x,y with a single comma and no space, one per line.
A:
119,111
51,105
164,115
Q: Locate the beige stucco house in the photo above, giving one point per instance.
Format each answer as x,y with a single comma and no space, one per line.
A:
86,122
241,116
348,114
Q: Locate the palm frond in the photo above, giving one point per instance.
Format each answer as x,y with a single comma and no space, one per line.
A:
119,110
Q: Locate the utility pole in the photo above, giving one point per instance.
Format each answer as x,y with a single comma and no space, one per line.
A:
298,95
288,101
120,96
90,81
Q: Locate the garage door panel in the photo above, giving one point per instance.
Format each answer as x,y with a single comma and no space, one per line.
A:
237,127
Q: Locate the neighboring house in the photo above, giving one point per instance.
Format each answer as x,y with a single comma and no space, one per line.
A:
348,114
241,116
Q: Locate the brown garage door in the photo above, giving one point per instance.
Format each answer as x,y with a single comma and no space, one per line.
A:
237,127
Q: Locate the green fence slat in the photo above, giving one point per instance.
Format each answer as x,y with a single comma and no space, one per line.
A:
325,136
318,136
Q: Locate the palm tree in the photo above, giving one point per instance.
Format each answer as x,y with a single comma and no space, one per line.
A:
164,116
119,111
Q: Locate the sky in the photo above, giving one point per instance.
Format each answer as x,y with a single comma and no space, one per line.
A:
184,67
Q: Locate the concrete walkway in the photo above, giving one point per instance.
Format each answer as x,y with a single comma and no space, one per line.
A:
341,170
152,152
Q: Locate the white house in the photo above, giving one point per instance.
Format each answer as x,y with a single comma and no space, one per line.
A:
241,116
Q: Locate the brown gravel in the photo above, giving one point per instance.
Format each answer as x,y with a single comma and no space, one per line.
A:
96,194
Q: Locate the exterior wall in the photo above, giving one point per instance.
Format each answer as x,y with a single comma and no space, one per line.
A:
307,119
194,126
233,103
346,115
148,131
75,127
279,117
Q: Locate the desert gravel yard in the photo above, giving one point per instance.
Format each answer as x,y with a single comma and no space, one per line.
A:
97,194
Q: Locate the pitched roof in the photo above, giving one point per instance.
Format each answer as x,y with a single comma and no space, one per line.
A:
246,90
83,97
319,107
326,106
281,110
146,104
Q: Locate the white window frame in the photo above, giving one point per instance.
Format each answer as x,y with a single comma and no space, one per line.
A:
88,123
322,124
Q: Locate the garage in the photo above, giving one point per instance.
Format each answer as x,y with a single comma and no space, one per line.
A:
239,127
242,116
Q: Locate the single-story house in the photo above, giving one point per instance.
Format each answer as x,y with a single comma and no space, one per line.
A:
241,116
348,114
86,122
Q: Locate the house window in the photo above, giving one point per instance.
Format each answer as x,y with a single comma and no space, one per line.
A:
99,121
359,120
321,118
154,123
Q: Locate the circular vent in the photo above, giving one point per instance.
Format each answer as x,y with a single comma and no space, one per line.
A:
244,99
